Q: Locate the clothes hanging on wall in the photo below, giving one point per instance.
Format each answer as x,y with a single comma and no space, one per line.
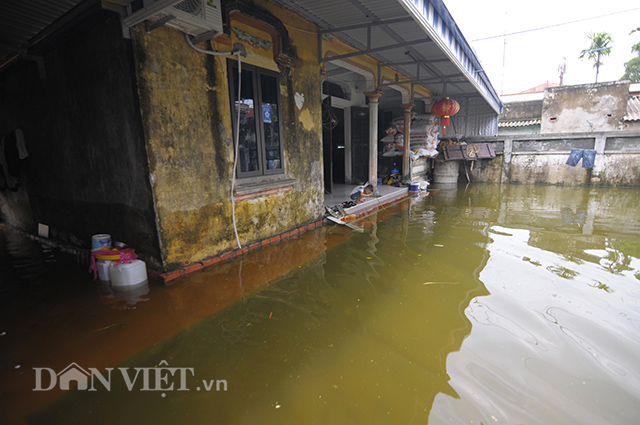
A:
13,150
21,145
588,157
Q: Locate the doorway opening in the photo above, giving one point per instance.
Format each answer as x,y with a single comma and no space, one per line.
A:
334,145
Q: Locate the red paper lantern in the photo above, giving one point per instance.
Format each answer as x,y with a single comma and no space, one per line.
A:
445,108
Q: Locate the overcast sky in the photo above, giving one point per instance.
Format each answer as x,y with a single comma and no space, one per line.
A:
517,62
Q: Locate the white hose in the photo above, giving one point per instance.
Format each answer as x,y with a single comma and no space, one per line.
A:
237,132
235,159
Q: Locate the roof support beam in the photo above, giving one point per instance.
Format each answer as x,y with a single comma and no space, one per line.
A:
367,25
414,62
443,79
370,51
23,53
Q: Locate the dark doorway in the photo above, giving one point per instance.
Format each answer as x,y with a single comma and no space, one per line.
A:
359,144
338,147
327,144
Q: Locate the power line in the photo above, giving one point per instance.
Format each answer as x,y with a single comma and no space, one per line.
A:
555,25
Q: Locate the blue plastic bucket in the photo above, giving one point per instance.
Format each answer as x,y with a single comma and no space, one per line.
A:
414,187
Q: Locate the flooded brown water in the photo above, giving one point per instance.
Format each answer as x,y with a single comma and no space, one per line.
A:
478,305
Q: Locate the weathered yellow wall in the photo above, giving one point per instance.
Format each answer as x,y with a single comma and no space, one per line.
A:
185,107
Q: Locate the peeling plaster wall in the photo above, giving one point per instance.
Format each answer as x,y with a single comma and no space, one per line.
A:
586,116
546,169
514,111
487,170
539,159
621,170
185,105
584,108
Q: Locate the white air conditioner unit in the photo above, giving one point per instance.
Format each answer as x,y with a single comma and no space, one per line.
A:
193,17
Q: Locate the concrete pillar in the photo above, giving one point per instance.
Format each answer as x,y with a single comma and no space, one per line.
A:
506,160
373,97
598,165
406,158
446,172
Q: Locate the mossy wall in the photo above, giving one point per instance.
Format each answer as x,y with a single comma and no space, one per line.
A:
542,159
186,115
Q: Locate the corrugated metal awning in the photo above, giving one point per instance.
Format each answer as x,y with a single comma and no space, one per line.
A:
417,38
519,123
23,24
633,109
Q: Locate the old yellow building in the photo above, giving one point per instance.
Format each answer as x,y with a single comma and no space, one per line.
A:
198,130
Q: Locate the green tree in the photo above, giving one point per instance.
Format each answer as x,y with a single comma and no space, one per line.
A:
632,68
599,47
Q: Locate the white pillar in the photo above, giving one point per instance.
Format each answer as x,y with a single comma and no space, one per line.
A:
598,166
406,159
373,139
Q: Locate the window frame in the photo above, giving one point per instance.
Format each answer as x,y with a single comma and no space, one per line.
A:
257,72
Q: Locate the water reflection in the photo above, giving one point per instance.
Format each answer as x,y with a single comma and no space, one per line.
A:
557,339
360,333
123,299
484,304
32,273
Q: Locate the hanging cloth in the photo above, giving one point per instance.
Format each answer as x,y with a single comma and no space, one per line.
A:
6,179
13,150
21,145
588,157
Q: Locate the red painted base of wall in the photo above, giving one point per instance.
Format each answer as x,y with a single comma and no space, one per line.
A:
172,277
169,278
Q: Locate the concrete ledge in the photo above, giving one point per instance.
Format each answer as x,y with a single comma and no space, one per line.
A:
362,210
244,192
371,204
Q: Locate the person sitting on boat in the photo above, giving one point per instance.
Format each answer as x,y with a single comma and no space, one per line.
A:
359,192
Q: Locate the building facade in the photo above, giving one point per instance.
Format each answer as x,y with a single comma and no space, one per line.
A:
187,146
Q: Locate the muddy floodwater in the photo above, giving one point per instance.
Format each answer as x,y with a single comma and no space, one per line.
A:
487,304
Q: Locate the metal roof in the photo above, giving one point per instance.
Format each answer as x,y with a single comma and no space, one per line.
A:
417,38
25,23
519,123
633,109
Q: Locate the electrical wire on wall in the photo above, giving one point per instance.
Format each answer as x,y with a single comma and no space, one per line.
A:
238,50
